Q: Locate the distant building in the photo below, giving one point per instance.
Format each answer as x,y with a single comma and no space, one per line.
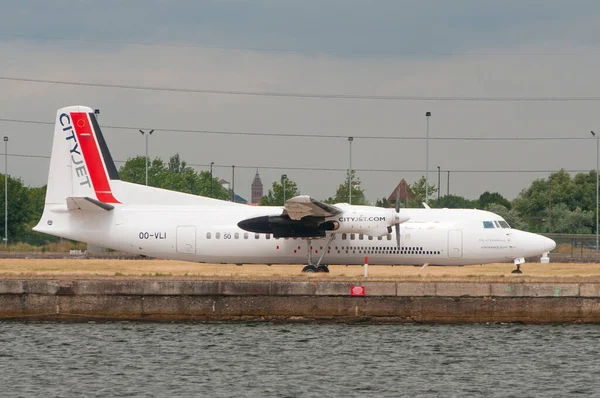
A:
405,194
257,189
238,199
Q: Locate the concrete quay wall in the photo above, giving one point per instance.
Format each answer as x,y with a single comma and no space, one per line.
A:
447,302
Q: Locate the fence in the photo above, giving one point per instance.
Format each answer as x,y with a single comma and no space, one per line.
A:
574,247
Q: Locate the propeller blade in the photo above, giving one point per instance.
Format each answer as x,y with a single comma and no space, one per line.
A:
397,213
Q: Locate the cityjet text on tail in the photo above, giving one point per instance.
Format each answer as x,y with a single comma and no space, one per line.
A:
86,201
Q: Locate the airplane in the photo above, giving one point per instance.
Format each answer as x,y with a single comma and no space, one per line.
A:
86,201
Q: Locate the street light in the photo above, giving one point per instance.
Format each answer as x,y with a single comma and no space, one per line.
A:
284,178
427,115
144,133
597,163
233,183
439,171
350,139
5,192
211,179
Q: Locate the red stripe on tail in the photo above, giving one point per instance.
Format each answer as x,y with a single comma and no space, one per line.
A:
93,161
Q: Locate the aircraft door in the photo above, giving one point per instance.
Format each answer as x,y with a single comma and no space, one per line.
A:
186,239
455,243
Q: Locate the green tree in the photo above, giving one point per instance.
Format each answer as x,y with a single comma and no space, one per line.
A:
21,209
418,191
510,215
275,195
487,199
543,195
341,194
562,220
134,170
175,176
457,202
383,202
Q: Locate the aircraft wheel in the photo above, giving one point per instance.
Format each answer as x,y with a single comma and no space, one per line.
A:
323,268
516,271
310,268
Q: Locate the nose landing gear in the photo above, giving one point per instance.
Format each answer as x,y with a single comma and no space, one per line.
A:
518,261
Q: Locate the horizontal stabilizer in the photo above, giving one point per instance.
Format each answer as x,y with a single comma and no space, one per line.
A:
86,203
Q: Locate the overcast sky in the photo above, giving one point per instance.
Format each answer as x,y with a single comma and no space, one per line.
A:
453,51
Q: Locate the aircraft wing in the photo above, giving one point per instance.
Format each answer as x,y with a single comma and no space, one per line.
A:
302,206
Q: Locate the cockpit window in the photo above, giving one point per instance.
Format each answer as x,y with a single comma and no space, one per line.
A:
488,224
504,224
497,225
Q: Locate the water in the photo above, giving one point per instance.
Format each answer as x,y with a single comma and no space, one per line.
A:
286,360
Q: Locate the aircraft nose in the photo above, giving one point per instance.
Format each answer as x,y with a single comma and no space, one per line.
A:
549,244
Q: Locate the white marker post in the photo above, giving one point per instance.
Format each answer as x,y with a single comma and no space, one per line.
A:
366,266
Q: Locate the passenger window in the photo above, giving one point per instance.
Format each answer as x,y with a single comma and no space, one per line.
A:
389,237
245,235
344,236
236,235
370,237
268,236
218,235
352,236
379,238
360,236
256,236
488,224
208,235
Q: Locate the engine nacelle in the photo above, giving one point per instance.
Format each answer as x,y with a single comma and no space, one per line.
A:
367,220
357,229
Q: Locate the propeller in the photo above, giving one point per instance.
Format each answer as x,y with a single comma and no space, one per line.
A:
397,226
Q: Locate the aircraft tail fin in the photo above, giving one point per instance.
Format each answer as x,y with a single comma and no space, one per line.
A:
81,165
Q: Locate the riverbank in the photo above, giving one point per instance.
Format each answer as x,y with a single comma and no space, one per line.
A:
79,289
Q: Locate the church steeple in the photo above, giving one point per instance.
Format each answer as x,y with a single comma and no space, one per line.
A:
257,188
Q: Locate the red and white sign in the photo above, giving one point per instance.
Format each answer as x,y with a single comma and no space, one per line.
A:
357,290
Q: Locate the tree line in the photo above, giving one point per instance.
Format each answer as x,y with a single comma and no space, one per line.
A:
560,203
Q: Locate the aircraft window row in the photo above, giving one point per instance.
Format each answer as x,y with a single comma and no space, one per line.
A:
406,248
495,224
361,237
386,250
236,235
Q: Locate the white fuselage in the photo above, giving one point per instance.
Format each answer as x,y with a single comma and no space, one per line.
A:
210,234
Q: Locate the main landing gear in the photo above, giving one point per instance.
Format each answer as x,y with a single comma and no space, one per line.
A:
319,267
314,268
518,262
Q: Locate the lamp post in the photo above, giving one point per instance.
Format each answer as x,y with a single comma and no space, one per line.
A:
448,185
427,116
439,171
350,139
5,192
144,133
597,164
233,183
211,179
284,178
